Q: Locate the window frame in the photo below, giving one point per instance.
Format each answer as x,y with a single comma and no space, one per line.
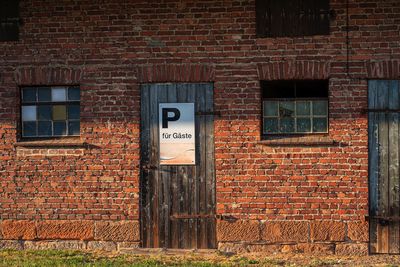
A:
38,103
294,100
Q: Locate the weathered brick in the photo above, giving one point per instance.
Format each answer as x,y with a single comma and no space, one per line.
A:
284,231
306,178
25,230
358,231
327,231
117,231
238,231
82,230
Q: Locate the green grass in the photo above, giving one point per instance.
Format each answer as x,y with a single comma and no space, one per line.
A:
53,258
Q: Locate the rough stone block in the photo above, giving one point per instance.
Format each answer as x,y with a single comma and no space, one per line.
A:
117,231
229,247
21,230
360,249
54,245
358,231
316,249
128,245
265,248
327,231
292,248
81,230
102,245
238,231
285,231
11,244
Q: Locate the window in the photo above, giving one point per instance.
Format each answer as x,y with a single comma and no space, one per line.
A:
289,18
9,20
50,111
295,107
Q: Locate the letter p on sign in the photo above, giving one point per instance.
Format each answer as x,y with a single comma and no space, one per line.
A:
166,112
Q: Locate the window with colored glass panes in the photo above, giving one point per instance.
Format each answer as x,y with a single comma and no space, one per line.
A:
295,107
50,111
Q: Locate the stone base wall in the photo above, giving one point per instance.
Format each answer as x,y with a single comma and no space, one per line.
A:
68,244
52,234
316,237
240,236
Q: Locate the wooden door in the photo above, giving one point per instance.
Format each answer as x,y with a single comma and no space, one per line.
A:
177,201
384,199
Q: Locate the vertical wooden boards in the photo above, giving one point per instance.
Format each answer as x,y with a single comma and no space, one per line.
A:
383,229
145,159
200,104
289,18
177,201
373,145
393,164
210,170
384,180
9,20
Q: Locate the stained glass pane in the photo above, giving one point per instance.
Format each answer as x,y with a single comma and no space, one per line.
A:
73,112
287,125
320,108
270,125
74,128
73,93
303,108
303,125
28,113
44,94
271,108
60,128
58,94
320,125
29,95
44,113
59,113
44,128
29,129
286,108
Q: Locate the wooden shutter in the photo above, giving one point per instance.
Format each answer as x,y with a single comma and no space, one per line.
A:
9,20
290,18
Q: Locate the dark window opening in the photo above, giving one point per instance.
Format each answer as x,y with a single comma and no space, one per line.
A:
295,107
50,111
290,18
9,20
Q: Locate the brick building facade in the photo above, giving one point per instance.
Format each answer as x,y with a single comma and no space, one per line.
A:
281,192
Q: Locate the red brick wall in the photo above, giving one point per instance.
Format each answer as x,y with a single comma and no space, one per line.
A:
110,47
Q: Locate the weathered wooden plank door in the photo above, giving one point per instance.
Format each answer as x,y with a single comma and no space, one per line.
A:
384,199
177,201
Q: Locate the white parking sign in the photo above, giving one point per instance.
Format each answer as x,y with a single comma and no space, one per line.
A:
177,134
